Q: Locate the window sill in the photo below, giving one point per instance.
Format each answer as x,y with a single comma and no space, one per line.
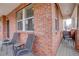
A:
26,31
29,31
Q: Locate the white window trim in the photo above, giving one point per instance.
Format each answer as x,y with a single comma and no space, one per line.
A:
29,17
23,20
24,31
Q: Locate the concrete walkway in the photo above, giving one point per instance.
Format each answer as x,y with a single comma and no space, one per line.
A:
67,49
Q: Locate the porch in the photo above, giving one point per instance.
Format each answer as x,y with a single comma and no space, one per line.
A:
46,22
65,49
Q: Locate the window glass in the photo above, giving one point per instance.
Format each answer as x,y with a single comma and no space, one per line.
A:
25,19
20,25
20,15
29,12
26,24
29,24
56,24
0,24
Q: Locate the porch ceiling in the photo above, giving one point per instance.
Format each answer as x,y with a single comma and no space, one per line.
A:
66,9
6,8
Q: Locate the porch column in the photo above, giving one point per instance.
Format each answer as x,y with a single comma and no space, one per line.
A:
57,27
42,29
4,27
77,31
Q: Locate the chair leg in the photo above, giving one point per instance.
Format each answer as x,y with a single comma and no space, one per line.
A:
14,52
1,48
74,44
6,49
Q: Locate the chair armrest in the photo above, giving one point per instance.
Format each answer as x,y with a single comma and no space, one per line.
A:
8,41
22,45
19,46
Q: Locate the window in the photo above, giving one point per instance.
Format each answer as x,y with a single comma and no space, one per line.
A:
56,24
25,19
19,20
19,15
29,24
0,24
77,23
20,25
29,12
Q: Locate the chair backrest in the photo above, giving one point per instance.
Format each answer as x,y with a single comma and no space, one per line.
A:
29,41
15,37
66,33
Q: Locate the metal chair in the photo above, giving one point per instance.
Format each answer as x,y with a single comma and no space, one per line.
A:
25,48
66,34
13,41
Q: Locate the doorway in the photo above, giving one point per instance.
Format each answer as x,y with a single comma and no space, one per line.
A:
7,28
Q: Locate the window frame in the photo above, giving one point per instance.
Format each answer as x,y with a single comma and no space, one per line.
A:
24,18
27,20
57,25
0,24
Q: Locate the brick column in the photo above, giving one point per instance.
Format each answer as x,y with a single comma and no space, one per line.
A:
4,27
43,29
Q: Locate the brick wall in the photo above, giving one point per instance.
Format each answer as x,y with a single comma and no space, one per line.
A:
1,30
77,39
4,27
77,31
47,42
56,35
43,29
12,22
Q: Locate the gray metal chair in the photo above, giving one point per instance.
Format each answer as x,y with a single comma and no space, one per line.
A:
25,48
66,34
14,40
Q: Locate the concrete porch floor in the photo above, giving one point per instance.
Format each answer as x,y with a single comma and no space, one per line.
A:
67,49
8,51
